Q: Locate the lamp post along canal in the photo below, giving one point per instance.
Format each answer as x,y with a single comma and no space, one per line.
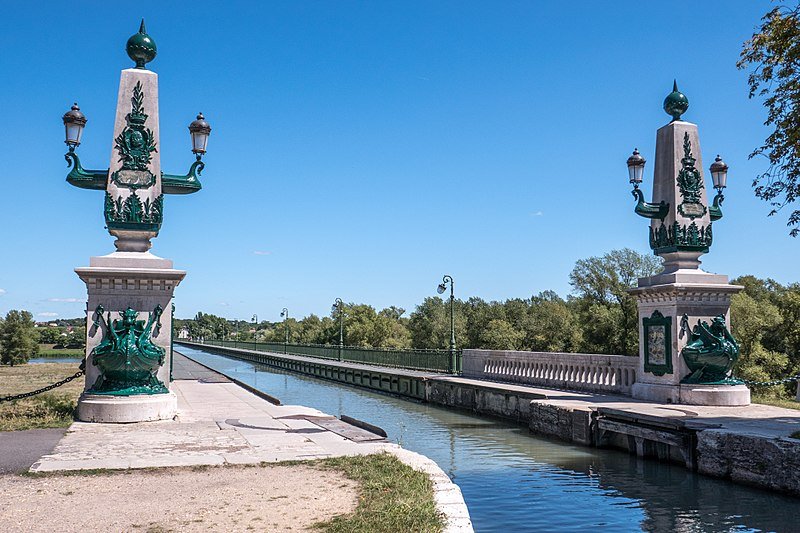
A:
129,334
338,306
255,331
686,351
285,316
447,279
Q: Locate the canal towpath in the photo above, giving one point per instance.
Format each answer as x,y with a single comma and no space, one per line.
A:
220,422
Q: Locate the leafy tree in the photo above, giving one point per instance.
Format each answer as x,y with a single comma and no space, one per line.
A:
551,325
773,54
18,338
500,335
602,284
49,335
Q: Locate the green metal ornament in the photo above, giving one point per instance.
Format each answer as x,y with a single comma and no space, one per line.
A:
711,353
141,47
676,103
680,238
126,357
690,183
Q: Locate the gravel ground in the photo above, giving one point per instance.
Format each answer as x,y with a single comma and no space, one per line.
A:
260,498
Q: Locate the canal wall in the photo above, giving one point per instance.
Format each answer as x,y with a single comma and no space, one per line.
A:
748,445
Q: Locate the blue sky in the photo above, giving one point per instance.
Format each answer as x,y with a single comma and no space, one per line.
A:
363,149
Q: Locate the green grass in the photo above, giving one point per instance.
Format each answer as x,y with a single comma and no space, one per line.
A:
47,350
786,403
392,496
47,410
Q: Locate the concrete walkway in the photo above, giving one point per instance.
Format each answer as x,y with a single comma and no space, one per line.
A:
222,423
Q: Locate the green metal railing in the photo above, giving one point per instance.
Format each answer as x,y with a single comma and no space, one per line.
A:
413,359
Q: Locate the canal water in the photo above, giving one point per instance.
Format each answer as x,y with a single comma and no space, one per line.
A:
515,481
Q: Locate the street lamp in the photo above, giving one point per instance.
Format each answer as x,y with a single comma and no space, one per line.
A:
74,122
255,329
338,307
440,289
719,175
285,316
200,130
635,174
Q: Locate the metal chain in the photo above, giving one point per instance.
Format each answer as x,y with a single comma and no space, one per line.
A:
76,375
770,383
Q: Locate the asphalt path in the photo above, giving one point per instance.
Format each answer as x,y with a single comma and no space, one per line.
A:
20,449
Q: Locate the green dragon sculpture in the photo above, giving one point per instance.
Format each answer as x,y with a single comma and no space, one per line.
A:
127,358
711,353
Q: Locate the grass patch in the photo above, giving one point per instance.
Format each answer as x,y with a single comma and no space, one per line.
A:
786,403
392,496
48,410
47,350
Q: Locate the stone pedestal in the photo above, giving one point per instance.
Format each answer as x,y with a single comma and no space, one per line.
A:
122,280
670,305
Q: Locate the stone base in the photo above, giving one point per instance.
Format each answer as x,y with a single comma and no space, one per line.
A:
698,394
721,395
656,392
126,409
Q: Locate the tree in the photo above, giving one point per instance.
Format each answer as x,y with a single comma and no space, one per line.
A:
602,285
774,56
18,338
551,325
500,335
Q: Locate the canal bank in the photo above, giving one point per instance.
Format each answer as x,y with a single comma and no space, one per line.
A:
221,423
749,445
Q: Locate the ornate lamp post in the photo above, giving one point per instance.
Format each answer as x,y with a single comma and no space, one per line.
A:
129,289
447,279
680,363
338,308
255,330
134,184
285,316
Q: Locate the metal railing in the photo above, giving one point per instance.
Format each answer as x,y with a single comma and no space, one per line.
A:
431,360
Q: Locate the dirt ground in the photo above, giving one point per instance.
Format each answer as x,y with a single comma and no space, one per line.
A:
259,498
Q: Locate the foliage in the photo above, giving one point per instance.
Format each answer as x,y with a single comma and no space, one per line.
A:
773,54
604,305
764,320
393,496
18,338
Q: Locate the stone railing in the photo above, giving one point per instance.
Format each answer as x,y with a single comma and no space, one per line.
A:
614,374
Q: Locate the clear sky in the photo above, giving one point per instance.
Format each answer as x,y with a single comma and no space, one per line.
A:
363,149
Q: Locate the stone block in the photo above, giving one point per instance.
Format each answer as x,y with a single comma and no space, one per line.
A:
126,409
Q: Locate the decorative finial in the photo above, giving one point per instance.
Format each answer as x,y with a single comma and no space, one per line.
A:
676,103
141,47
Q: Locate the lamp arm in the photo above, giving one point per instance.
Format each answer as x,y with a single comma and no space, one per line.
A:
85,179
187,184
648,210
715,210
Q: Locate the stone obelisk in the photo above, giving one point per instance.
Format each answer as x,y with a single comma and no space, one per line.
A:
130,291
685,349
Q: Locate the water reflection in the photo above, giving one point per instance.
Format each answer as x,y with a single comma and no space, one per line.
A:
514,481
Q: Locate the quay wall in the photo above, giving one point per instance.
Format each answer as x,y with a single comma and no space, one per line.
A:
765,462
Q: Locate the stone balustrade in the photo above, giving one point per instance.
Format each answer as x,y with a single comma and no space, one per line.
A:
614,374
